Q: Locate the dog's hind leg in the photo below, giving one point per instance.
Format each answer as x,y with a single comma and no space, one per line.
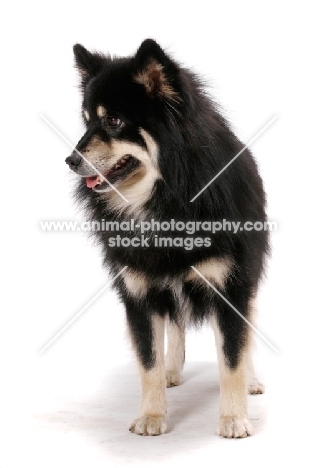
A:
175,353
254,386
147,333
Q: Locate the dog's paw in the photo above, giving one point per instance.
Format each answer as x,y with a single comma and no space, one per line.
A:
173,378
233,427
149,425
255,387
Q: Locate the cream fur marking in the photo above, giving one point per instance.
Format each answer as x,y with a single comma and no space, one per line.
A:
135,283
99,154
153,416
86,114
137,188
100,111
175,353
234,421
214,269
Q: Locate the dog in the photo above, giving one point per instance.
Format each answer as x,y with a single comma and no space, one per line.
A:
158,152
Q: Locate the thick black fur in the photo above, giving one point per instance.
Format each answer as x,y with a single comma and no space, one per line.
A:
195,142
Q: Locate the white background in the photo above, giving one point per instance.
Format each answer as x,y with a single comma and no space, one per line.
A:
71,405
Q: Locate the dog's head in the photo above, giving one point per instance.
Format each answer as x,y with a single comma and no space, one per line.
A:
125,101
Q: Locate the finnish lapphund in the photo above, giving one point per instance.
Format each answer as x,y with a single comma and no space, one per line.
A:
154,140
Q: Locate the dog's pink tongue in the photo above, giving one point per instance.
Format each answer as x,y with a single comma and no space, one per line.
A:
92,181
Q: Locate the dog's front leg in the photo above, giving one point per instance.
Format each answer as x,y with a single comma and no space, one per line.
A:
147,335
234,421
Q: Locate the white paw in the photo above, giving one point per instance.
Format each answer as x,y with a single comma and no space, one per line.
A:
149,425
173,378
255,387
234,427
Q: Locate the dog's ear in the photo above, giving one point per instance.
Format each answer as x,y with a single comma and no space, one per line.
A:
149,49
88,64
155,70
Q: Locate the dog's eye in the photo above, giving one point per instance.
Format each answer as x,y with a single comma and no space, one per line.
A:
113,121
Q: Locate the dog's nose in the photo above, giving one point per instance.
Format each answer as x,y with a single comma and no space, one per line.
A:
73,160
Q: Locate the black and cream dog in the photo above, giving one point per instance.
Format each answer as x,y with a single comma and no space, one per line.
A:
153,140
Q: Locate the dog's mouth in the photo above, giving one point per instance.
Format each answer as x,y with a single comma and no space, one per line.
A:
124,167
